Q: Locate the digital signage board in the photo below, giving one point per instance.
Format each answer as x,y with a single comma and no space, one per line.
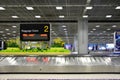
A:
34,32
117,41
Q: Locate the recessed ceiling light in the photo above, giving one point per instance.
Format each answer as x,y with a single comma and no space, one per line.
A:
97,26
14,35
91,31
101,33
29,8
112,33
14,16
108,29
104,31
1,31
37,16
63,26
3,35
89,7
94,29
118,7
53,31
108,16
55,34
108,34
14,26
85,16
8,33
114,26
65,29
61,16
7,29
59,7
2,8
14,31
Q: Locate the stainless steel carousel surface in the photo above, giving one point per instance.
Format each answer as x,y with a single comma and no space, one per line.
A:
60,64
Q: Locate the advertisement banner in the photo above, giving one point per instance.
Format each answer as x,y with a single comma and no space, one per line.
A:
117,41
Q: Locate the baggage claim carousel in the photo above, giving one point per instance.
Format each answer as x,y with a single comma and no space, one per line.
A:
60,64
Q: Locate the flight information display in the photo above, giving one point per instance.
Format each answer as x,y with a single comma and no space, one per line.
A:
34,32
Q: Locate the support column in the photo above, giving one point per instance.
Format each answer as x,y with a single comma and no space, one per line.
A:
82,36
75,44
50,42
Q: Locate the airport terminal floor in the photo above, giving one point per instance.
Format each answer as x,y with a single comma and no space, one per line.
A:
59,40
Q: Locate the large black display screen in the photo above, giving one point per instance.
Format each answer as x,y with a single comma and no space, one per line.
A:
34,32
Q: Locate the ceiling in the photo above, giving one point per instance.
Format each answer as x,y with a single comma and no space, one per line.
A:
72,10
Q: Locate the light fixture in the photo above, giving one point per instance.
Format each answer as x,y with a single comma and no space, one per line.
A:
108,16
29,8
94,29
37,16
53,31
63,26
1,31
14,16
2,8
14,31
118,7
55,34
59,7
104,31
85,16
112,33
91,31
114,26
3,35
14,35
65,29
97,26
89,7
7,29
108,29
14,26
61,16
8,33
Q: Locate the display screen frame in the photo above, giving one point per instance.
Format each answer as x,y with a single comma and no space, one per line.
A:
41,32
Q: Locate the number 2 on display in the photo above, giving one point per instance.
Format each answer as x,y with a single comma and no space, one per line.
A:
45,28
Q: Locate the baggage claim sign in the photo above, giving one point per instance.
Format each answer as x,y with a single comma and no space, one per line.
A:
34,32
